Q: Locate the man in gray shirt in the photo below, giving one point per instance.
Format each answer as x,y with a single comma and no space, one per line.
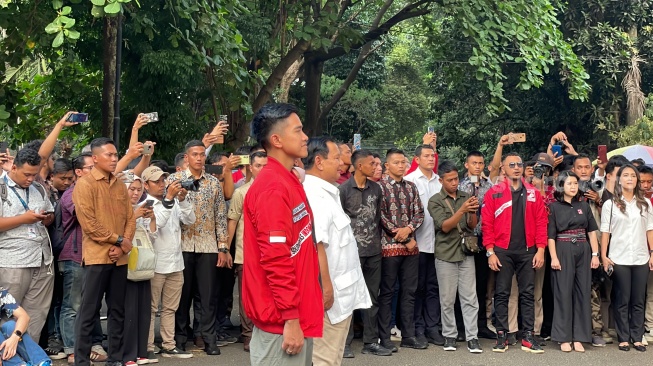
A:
25,253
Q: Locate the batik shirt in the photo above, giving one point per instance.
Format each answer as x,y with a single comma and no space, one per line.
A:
400,207
470,188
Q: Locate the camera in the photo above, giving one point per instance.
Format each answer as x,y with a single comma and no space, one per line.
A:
585,186
191,185
538,171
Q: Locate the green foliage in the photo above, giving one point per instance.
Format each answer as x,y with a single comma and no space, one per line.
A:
640,133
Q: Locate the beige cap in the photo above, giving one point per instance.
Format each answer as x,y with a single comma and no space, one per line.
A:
153,173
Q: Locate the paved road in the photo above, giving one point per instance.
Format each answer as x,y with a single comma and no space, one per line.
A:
233,355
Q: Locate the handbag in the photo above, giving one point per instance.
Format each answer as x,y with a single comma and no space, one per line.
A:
142,257
469,241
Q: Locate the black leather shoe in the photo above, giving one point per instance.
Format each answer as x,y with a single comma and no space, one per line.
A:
485,332
640,348
624,348
347,353
412,342
387,344
376,349
211,349
434,337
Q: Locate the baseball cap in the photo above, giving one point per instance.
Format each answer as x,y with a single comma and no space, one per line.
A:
153,173
543,159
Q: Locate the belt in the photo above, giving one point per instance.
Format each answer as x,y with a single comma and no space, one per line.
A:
573,236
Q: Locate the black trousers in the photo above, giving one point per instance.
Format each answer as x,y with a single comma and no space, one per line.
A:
98,280
521,263
138,308
629,301
427,296
406,268
199,273
572,315
482,274
371,267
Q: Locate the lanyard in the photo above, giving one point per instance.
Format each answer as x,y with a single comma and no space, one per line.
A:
25,204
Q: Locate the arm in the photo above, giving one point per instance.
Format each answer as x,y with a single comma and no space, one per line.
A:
134,152
8,223
439,214
417,209
386,218
327,286
141,120
162,215
228,184
231,230
541,222
187,212
145,160
10,344
220,217
487,215
496,160
235,213
48,144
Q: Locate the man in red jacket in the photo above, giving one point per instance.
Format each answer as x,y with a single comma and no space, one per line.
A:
515,235
281,291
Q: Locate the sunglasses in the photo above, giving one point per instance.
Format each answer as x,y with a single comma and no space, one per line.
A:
516,165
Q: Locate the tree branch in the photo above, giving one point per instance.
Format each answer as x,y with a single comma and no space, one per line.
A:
277,74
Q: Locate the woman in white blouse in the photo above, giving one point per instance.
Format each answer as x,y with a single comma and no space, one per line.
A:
626,237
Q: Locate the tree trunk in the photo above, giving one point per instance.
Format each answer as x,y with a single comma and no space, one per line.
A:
109,35
291,75
313,78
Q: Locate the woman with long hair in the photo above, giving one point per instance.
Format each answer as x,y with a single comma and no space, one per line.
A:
571,223
626,245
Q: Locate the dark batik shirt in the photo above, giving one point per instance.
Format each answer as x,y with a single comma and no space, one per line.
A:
400,207
471,189
363,206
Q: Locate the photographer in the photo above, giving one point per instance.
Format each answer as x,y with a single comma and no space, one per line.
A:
199,247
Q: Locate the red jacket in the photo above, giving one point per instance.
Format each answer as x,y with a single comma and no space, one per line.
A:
496,215
280,263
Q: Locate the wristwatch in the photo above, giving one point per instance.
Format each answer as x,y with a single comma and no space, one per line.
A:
223,250
19,334
650,251
489,254
595,254
119,241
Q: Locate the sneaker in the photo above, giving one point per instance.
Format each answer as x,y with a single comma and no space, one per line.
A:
224,336
412,342
151,357
387,344
347,353
644,341
502,343
474,346
55,354
142,361
512,339
175,353
539,340
449,344
130,363
607,337
395,334
221,343
376,349
598,341
435,337
529,344
485,332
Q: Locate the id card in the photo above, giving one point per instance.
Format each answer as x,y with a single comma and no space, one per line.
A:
31,232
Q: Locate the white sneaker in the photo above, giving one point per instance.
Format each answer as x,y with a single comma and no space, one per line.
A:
395,334
644,341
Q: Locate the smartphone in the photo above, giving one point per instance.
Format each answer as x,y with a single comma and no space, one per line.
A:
148,203
47,212
244,159
152,117
518,137
556,150
3,147
357,141
78,117
147,149
213,169
431,129
223,118
610,270
603,153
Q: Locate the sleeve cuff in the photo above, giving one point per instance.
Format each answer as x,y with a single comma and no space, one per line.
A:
290,314
114,238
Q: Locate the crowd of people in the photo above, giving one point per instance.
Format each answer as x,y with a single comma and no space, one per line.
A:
324,244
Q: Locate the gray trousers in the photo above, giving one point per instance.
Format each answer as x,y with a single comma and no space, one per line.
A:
265,350
458,277
32,288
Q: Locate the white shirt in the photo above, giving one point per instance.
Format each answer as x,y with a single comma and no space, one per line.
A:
333,230
167,244
425,234
628,245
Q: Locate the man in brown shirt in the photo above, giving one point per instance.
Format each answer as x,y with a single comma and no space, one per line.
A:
106,216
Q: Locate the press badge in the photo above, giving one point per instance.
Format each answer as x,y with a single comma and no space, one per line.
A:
31,231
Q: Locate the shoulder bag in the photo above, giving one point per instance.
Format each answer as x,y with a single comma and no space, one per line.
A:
469,241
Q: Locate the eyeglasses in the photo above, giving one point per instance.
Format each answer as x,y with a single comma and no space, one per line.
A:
89,167
514,165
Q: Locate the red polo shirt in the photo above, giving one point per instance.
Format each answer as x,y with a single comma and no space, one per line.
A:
280,266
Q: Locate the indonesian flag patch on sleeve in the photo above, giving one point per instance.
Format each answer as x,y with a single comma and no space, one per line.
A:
277,237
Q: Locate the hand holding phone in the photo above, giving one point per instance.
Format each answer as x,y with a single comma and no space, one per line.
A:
148,203
147,149
78,117
517,137
603,153
556,150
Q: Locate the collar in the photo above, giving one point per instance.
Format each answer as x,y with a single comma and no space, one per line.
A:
352,182
277,167
313,181
95,173
188,174
150,197
445,195
391,180
11,183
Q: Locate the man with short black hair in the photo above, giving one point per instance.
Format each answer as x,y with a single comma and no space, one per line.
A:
201,242
346,153
25,252
378,170
107,219
361,198
180,162
454,212
514,224
281,290
401,214
427,295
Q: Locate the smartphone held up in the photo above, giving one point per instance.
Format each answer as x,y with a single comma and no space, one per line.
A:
78,118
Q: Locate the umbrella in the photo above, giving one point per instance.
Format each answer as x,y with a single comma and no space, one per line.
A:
635,152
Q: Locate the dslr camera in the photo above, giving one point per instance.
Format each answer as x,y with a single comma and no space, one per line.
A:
585,186
191,185
539,171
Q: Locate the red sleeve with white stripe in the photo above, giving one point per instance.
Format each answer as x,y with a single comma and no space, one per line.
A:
274,235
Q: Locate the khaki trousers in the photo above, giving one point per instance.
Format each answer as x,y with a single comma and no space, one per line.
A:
328,350
166,288
649,303
537,304
265,350
32,288
246,325
513,302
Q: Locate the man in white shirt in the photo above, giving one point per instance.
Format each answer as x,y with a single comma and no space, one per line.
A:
342,278
171,209
427,297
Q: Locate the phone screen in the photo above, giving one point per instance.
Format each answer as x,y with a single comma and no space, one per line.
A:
149,203
78,117
3,147
214,169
